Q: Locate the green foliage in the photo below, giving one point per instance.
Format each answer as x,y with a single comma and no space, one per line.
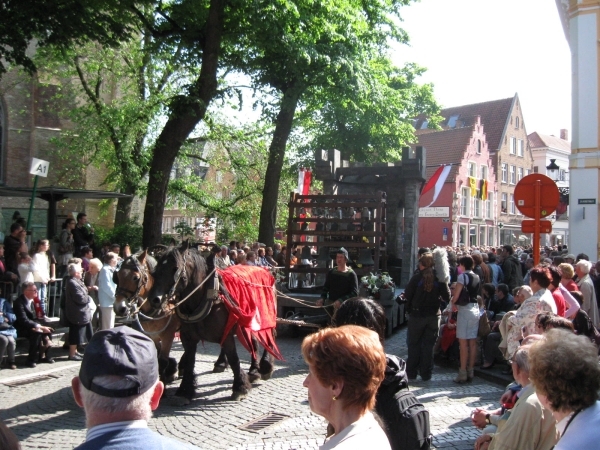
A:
128,233
62,23
184,230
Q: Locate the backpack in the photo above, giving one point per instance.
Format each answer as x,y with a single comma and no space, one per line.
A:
406,421
469,292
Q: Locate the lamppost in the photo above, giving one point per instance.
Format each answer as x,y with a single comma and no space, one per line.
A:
554,172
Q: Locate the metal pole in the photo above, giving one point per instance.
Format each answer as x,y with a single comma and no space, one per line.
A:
536,229
35,181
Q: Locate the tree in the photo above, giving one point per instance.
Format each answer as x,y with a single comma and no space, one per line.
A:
305,50
184,230
62,23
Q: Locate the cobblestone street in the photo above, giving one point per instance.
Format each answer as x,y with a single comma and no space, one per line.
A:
43,413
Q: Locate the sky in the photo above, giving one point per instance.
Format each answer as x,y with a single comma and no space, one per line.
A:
482,50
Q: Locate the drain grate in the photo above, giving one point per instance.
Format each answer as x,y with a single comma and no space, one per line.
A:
263,422
29,380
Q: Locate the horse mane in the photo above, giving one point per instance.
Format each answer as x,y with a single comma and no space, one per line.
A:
198,262
134,261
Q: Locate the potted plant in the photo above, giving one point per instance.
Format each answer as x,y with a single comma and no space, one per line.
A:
379,286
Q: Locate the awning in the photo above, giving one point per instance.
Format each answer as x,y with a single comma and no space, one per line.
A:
53,195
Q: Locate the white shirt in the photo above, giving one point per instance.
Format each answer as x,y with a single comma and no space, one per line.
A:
99,430
365,433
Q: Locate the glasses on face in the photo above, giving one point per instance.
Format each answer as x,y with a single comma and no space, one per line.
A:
32,289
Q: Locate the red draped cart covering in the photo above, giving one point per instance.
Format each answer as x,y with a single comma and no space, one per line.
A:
254,307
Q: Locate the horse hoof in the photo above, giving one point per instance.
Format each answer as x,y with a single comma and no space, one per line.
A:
266,376
181,401
219,369
237,396
252,377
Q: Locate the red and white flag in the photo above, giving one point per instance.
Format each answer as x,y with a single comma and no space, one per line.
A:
304,180
437,181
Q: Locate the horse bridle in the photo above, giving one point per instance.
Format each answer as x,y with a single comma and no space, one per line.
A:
181,274
144,278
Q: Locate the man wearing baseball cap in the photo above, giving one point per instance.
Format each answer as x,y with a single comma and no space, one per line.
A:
118,388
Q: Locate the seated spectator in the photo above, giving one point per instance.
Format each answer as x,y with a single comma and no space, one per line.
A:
241,259
8,333
269,257
523,322
78,312
40,337
506,301
261,260
546,321
530,425
233,256
251,259
118,388
222,258
490,303
565,372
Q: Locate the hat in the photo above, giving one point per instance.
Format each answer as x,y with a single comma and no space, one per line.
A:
570,256
343,251
120,351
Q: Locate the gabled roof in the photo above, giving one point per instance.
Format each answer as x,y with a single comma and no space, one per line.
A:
494,116
537,140
444,147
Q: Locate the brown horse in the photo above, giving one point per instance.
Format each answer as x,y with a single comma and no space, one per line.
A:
134,280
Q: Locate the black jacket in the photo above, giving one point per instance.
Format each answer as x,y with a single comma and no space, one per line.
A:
25,316
422,303
511,268
77,309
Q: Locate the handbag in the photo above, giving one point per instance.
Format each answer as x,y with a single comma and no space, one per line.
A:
484,326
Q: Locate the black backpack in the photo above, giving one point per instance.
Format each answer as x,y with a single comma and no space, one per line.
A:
407,422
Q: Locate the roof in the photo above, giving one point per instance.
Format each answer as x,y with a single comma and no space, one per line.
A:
537,140
494,116
445,147
54,193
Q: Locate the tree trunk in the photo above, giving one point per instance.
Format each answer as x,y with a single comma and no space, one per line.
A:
185,114
123,213
283,127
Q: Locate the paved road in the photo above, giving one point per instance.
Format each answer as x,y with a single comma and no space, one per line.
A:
44,415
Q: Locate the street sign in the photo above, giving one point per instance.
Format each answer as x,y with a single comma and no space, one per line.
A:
586,201
528,226
39,167
525,195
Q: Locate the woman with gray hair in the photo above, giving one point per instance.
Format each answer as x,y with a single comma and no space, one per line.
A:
78,312
530,425
586,287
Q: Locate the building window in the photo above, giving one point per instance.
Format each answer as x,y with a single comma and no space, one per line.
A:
503,204
472,168
479,146
516,122
482,235
476,207
473,235
521,148
464,202
528,172
511,205
513,146
519,174
504,173
462,234
484,172
513,175
562,175
488,205
490,236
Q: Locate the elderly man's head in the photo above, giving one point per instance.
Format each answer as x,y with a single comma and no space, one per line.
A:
118,377
582,268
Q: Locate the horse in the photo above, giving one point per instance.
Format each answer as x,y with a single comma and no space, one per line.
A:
180,275
134,280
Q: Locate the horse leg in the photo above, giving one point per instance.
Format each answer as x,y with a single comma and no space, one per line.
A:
253,373
187,388
221,363
266,365
241,385
170,364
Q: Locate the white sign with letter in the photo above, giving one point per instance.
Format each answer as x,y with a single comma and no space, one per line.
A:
39,167
435,211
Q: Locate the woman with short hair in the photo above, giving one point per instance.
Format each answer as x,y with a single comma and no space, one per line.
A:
346,366
78,311
467,322
566,374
